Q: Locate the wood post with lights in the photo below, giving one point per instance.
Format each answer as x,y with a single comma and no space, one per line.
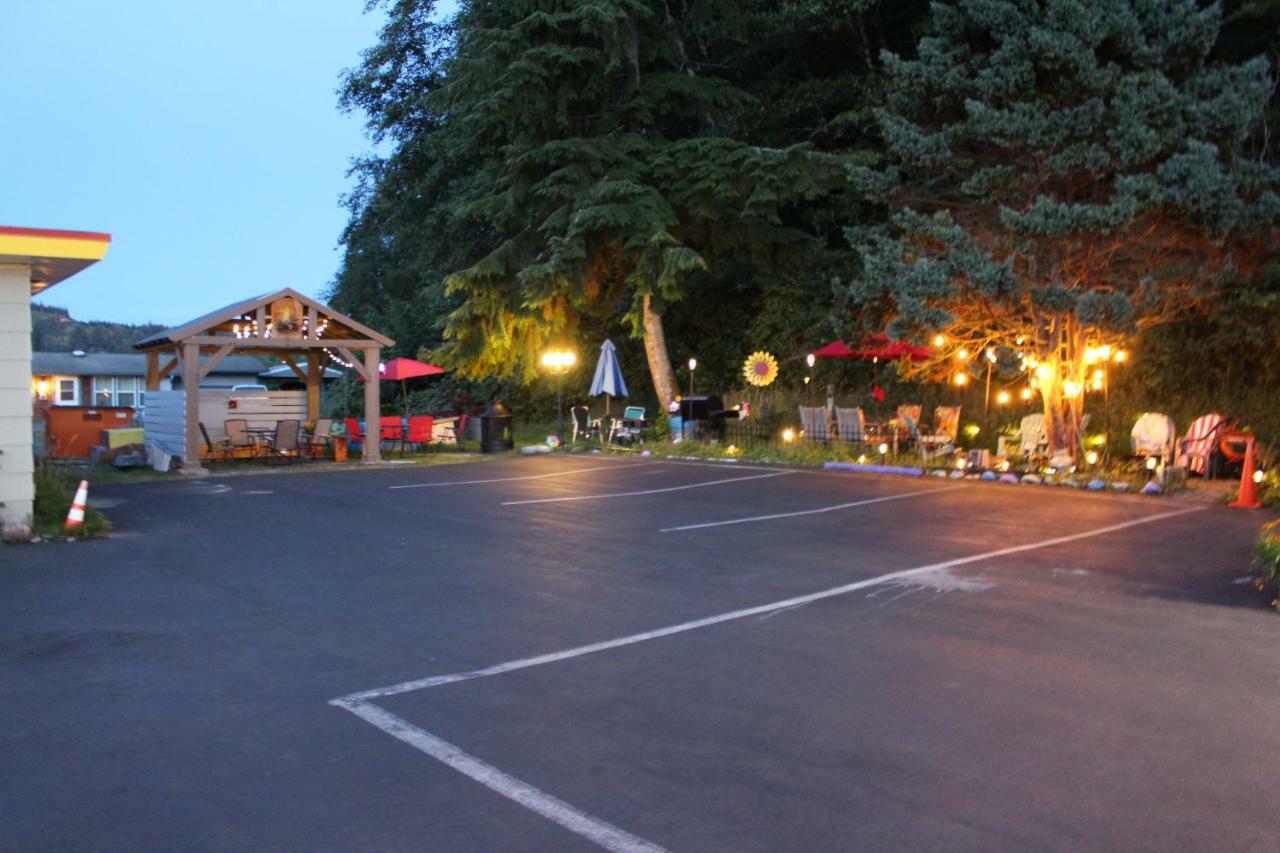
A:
191,392
372,406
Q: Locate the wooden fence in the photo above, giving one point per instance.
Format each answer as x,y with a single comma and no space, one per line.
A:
164,415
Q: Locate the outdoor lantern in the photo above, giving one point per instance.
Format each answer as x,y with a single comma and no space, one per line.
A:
883,448
939,340
1152,462
788,435
1259,475
962,379
1002,398
1091,457
810,359
961,464
495,429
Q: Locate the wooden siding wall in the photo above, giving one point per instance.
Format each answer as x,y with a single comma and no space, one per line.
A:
165,420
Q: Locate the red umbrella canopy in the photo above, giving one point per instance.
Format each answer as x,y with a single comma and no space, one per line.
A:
835,349
399,369
883,348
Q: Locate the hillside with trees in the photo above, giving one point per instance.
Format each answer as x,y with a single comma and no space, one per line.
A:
55,330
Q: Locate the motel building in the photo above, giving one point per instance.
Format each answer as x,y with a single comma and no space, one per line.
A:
31,260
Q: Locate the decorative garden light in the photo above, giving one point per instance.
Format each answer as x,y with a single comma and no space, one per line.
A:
972,430
1091,457
1002,398
883,448
1071,389
1259,475
1121,356
1151,463
862,458
962,379
693,365
559,362
991,354
788,435
961,464
810,359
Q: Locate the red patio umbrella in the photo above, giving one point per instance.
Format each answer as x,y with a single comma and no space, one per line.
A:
878,348
402,369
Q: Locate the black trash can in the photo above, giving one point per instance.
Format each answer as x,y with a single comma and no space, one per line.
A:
495,429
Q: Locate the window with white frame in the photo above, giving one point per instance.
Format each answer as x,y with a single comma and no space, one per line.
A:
117,391
68,391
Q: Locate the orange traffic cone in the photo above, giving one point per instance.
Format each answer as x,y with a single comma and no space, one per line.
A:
75,516
1248,497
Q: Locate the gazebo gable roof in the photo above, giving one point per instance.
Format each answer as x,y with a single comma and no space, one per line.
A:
223,318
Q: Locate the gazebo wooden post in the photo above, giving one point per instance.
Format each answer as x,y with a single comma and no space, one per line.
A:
153,370
191,390
314,374
372,405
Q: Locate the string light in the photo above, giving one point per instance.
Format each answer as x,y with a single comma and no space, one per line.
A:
962,354
1002,398
962,379
1026,393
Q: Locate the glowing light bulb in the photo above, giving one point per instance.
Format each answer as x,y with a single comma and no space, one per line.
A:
883,448
1121,356
1152,462
1026,393
1091,457
1259,475
962,379
962,354
939,340
1002,398
788,435
1044,372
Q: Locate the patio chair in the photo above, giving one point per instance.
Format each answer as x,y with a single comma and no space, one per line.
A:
391,430
1198,445
1032,438
283,446
319,439
238,435
582,424
421,431
813,421
354,432
1154,434
851,424
946,429
630,427
216,449
451,432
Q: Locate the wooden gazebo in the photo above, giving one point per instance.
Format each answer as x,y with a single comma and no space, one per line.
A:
284,324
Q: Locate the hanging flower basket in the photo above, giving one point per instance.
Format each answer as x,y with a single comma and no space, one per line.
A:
760,369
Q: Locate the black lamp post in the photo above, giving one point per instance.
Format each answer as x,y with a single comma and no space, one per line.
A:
559,362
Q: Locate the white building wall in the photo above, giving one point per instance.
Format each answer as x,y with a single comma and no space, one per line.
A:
17,487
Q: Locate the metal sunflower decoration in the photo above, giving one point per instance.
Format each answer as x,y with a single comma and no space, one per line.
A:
760,369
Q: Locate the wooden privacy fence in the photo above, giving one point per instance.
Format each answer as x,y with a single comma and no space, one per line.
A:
165,422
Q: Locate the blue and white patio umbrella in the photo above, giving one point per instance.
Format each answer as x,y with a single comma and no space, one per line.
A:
608,378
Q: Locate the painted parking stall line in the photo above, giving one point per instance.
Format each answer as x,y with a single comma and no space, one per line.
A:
600,832
817,511
443,483
681,488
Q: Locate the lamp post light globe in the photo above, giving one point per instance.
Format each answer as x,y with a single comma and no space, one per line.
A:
693,365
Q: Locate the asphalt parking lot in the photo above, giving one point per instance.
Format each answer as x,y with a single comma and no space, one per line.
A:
581,653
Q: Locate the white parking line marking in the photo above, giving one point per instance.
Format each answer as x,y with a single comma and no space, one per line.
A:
646,491
594,829
600,832
817,511
527,477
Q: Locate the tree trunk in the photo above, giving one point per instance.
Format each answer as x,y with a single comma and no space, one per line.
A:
655,350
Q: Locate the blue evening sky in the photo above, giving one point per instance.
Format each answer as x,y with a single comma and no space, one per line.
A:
205,137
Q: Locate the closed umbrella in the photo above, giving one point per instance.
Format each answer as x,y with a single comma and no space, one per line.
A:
608,378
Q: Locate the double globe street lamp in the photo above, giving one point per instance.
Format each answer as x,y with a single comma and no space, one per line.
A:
559,362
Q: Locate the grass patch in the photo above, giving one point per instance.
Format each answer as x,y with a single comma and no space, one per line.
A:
55,489
1267,555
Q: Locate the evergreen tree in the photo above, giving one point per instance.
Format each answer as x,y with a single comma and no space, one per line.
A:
1060,174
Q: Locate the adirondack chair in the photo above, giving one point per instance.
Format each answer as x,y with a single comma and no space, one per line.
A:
1153,435
851,424
813,420
943,439
1197,446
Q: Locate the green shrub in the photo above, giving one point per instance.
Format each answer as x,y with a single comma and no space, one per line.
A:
55,490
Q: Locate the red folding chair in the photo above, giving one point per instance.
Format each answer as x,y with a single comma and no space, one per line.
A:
391,430
420,427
